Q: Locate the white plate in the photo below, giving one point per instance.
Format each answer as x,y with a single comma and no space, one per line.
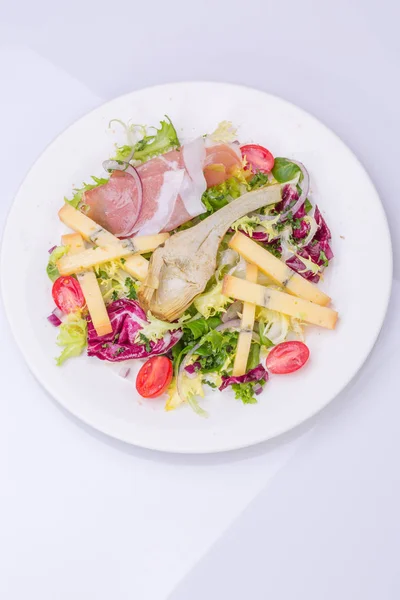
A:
359,278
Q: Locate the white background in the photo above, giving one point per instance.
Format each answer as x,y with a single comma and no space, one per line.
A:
83,517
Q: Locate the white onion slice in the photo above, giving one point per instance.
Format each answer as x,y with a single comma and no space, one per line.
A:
232,311
313,230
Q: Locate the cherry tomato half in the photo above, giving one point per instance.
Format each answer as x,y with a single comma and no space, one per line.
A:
154,377
67,294
258,158
287,357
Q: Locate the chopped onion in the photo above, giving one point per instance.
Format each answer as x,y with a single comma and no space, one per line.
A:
56,317
50,250
258,388
191,370
232,324
124,372
114,165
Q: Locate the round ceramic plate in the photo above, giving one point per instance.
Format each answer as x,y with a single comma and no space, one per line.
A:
358,279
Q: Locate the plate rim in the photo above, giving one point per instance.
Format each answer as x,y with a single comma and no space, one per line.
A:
224,447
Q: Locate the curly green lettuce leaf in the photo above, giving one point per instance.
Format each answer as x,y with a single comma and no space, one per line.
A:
56,254
273,326
155,329
245,392
163,140
309,265
225,132
258,180
246,224
150,145
218,196
78,192
212,302
114,282
73,337
196,328
217,351
124,153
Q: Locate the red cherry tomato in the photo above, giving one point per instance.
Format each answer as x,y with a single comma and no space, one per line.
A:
287,357
67,294
258,158
154,377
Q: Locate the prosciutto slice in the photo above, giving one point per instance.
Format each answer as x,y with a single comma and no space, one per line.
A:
115,205
172,189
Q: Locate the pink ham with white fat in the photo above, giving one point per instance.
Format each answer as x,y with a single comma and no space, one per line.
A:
116,205
169,191
173,185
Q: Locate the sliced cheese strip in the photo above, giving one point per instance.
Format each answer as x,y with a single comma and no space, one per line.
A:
279,301
76,263
92,232
90,287
137,266
246,328
273,267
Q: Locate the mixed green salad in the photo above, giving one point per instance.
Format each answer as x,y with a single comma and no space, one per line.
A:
218,341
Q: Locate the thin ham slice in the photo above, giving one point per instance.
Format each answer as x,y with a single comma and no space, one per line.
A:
114,205
158,188
172,184
152,174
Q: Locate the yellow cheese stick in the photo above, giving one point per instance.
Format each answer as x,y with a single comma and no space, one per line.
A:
69,265
276,269
90,287
135,265
279,301
92,232
246,328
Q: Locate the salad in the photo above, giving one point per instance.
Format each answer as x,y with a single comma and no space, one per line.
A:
200,259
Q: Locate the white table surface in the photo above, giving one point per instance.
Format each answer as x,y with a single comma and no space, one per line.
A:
84,517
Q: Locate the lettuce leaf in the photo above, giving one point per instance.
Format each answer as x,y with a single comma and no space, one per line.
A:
246,224
218,196
51,268
198,327
212,302
114,282
284,170
244,392
155,329
216,352
73,337
149,146
226,132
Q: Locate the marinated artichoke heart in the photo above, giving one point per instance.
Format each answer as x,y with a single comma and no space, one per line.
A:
180,269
